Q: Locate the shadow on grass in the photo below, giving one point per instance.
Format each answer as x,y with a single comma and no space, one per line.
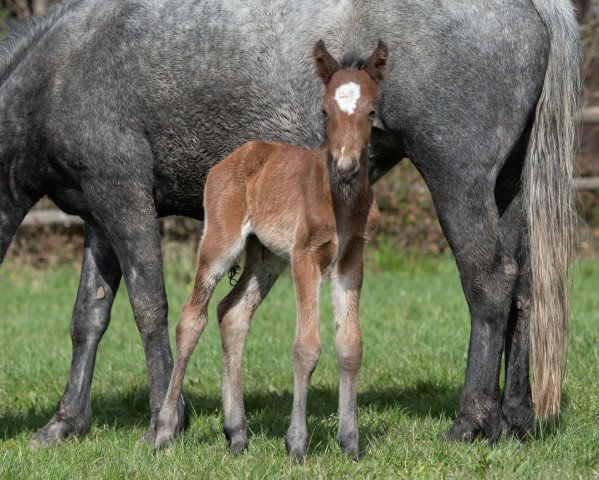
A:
268,412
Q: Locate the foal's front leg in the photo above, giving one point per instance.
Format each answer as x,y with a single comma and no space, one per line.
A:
306,347
346,285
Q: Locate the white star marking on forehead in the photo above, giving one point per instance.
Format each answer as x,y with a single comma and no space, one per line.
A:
347,96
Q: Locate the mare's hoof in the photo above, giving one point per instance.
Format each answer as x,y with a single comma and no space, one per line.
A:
467,429
57,430
517,420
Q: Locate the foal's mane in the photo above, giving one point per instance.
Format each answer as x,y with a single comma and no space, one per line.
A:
353,61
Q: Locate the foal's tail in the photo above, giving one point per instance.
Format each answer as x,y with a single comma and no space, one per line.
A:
549,203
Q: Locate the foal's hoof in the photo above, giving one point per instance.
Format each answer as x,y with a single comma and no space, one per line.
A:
57,430
297,447
349,443
166,425
237,438
238,447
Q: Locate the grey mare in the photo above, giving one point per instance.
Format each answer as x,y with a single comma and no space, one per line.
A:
116,109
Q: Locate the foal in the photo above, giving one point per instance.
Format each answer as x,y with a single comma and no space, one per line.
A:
313,208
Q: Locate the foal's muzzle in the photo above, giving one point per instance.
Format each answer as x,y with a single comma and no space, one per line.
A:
346,170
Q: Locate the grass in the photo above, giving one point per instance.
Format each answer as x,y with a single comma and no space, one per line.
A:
415,326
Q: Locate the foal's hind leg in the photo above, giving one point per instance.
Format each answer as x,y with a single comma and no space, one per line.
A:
218,251
235,311
100,277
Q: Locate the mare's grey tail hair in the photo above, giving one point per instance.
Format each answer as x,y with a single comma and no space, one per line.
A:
549,203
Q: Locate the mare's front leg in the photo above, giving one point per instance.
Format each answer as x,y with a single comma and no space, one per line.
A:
124,207
306,347
346,286
100,278
235,311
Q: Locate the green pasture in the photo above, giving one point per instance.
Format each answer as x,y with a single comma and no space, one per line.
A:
415,326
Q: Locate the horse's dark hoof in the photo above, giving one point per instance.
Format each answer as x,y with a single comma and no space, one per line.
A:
349,443
237,447
467,429
297,446
237,438
463,430
57,430
517,420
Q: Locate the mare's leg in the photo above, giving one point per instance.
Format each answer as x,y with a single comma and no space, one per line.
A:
306,347
516,404
386,151
486,257
219,249
124,207
235,311
100,277
13,209
346,285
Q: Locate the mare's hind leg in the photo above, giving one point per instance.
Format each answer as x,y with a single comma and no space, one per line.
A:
485,253
100,278
221,244
235,311
516,405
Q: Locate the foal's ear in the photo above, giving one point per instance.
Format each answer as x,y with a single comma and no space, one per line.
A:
326,65
377,62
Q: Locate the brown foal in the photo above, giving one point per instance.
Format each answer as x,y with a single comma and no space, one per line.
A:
312,208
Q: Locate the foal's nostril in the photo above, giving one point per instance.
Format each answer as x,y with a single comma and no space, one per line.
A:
348,171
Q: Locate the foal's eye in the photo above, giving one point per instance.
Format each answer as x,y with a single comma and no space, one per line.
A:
371,115
325,114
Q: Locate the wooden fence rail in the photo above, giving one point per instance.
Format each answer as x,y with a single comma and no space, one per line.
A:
590,116
40,218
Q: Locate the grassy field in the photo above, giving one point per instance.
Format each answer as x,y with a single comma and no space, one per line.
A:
415,326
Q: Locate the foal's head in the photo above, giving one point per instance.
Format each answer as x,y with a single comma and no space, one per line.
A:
350,100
